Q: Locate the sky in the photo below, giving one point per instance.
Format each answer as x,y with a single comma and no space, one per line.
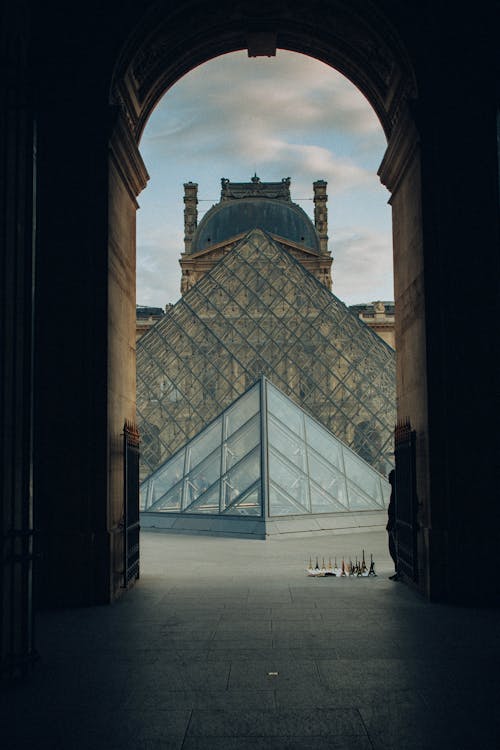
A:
287,116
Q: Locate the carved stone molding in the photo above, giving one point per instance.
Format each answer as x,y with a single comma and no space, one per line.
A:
352,37
402,146
125,154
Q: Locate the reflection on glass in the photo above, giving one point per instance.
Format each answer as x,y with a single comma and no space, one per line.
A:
323,502
241,442
170,501
286,443
281,504
245,407
201,478
208,502
239,479
359,472
205,443
167,476
279,405
358,500
247,505
289,479
321,440
328,478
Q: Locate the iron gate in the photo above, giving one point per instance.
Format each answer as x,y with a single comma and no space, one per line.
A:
131,503
406,499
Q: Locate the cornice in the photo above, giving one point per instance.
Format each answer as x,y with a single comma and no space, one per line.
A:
403,144
125,154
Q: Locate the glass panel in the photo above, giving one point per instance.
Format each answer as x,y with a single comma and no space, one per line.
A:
281,504
204,444
328,478
171,501
321,502
289,478
363,475
241,442
241,477
206,503
323,442
166,477
245,408
281,407
287,443
359,501
248,505
201,478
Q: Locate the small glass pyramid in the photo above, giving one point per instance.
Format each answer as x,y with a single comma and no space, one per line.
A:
264,456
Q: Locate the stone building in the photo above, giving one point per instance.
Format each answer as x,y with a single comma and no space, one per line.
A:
244,206
380,316
258,302
145,317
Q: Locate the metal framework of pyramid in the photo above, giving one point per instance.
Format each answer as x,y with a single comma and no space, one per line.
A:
263,457
260,312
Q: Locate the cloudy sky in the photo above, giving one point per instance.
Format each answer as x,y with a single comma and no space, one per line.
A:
288,116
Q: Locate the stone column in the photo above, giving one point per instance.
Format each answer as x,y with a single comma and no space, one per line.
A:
85,347
127,177
17,222
321,214
400,172
190,213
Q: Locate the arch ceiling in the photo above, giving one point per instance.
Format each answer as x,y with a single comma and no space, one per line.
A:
352,37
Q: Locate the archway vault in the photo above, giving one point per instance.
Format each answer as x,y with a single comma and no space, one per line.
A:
357,40
352,37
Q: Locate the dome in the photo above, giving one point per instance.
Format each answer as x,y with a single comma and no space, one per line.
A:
236,217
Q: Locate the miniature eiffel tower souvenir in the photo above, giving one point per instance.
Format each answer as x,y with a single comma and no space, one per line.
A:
329,571
371,572
364,569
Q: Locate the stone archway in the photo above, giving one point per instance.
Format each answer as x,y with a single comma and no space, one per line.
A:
89,83
362,45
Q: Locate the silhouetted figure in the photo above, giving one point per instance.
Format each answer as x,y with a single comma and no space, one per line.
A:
391,525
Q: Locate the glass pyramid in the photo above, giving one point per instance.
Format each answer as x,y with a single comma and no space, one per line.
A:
260,312
264,456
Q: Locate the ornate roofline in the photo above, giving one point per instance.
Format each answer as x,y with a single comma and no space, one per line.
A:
255,189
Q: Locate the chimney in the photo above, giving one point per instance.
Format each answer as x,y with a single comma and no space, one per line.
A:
190,213
321,214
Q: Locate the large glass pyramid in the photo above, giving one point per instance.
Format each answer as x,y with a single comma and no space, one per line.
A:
260,312
264,456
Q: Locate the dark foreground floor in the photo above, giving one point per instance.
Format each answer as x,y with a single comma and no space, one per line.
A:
227,644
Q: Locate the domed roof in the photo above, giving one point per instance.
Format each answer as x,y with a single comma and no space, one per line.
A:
235,217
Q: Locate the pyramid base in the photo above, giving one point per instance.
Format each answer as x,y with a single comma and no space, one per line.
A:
249,527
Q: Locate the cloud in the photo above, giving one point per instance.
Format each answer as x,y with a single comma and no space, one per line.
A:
291,93
158,270
287,116
362,267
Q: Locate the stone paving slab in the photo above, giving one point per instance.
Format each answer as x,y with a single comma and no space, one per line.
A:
182,661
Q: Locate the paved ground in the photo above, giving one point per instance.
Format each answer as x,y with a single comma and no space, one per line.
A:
226,644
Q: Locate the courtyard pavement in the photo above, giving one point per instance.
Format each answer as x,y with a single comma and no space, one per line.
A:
226,644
